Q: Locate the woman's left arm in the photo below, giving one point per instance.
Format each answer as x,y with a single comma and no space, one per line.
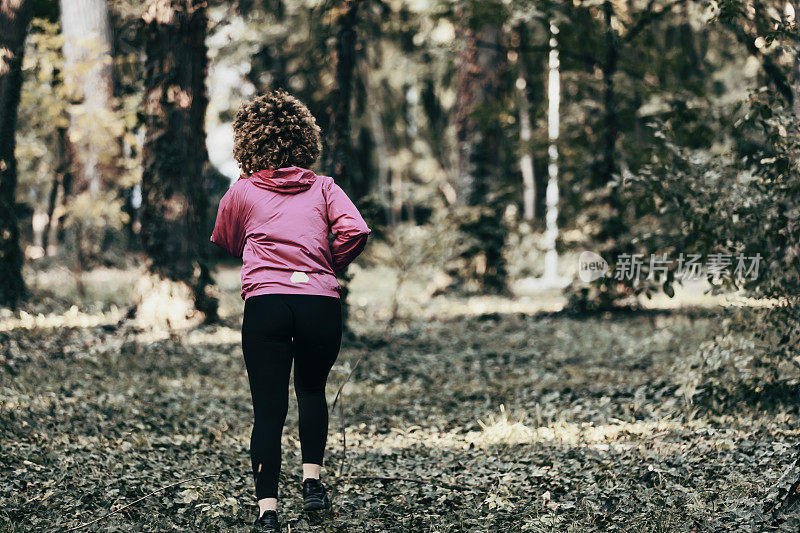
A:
229,230
347,225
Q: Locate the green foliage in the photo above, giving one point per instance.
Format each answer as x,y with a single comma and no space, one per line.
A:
479,264
661,75
706,168
742,199
47,108
42,112
736,367
414,251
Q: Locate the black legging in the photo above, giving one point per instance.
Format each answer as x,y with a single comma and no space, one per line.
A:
278,328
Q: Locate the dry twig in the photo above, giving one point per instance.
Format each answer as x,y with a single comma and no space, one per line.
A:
341,414
162,489
452,486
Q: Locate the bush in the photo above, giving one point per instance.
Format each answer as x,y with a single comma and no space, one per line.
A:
743,200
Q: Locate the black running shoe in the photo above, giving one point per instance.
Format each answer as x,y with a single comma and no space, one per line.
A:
315,495
267,523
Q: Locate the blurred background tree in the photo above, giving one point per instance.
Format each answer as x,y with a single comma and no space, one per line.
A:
175,202
673,133
14,20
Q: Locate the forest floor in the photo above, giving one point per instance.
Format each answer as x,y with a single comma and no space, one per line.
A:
507,419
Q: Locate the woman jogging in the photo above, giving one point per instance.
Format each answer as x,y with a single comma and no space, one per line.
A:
277,218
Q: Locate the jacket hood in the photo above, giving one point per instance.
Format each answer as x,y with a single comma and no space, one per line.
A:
289,180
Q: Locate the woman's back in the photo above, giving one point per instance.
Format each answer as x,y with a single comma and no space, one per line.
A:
278,222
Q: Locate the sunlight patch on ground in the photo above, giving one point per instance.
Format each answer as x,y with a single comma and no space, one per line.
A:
503,430
140,440
372,291
218,335
572,433
108,285
698,294
73,318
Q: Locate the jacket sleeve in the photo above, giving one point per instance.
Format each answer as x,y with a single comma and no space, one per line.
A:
349,229
229,230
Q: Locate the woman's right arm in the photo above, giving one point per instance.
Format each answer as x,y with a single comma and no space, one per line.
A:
229,230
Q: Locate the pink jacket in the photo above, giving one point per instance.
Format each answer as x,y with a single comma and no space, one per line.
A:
278,222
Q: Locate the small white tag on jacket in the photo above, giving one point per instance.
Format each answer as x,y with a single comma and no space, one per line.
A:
299,277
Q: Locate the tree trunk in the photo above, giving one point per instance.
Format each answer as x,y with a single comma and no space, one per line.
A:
467,94
525,133
612,226
339,158
396,190
796,83
379,135
14,18
87,69
553,128
412,133
611,130
174,153
52,202
478,167
790,16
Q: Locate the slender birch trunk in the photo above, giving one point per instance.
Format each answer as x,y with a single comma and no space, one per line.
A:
525,134
87,69
553,126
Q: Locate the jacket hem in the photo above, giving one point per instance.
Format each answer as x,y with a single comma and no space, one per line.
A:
315,291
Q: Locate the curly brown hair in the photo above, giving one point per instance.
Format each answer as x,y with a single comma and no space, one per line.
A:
275,130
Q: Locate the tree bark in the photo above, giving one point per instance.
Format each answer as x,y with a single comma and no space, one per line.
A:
525,133
796,83
339,158
608,166
174,153
478,140
52,201
412,133
467,89
87,68
379,135
15,16
62,185
611,129
795,60
478,166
